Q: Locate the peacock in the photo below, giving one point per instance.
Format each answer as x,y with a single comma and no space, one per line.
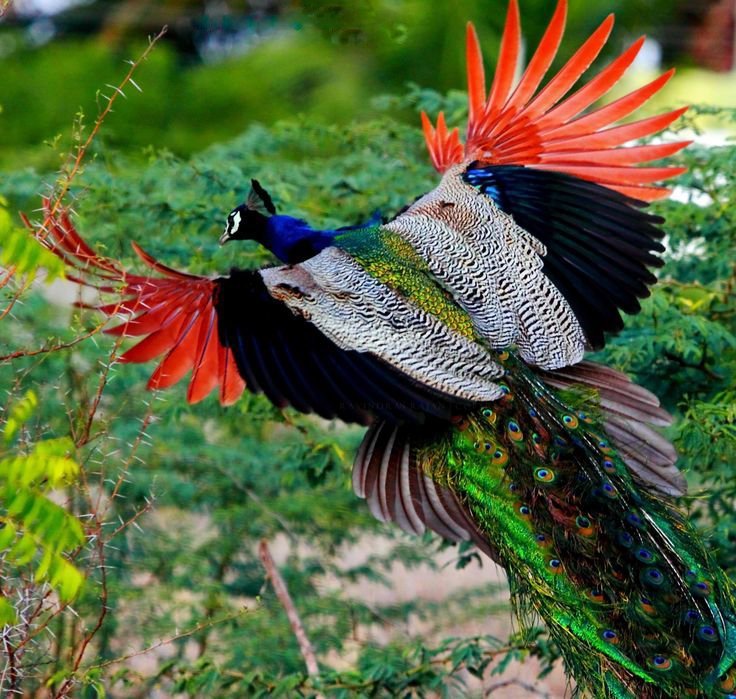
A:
456,332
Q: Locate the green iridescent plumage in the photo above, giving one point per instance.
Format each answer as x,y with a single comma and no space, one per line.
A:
617,573
390,259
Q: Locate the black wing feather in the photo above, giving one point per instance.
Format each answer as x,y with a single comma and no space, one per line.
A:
285,357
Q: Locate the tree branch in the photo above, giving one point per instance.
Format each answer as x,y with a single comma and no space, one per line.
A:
279,587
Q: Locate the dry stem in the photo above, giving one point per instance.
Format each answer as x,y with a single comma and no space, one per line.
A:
282,592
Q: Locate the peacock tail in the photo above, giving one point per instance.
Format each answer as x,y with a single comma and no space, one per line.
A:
623,582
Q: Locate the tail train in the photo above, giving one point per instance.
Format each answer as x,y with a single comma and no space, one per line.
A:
587,531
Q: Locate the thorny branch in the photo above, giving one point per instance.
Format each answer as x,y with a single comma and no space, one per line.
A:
530,689
173,639
48,349
43,607
73,165
81,152
67,684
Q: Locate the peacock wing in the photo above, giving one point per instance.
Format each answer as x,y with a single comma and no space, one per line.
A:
388,473
308,336
565,173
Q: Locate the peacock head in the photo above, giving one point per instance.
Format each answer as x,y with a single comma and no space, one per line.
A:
248,221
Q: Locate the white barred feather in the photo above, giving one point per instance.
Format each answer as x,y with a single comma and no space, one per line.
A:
493,269
358,312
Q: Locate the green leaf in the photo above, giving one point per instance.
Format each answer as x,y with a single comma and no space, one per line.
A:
20,250
20,411
7,612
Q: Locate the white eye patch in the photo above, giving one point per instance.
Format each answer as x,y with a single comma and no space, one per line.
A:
233,221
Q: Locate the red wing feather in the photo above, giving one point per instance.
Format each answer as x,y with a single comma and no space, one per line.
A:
155,344
619,109
592,91
508,59
444,149
541,61
548,128
205,376
569,74
619,156
618,135
476,76
175,311
231,384
154,318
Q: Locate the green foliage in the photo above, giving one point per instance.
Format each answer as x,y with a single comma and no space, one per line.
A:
33,526
178,103
20,412
21,251
392,670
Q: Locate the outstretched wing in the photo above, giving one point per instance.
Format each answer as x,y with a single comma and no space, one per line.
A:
561,172
240,332
548,129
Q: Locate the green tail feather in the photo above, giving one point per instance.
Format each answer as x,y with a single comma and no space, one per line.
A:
620,577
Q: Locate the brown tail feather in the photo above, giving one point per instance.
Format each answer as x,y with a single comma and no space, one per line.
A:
386,473
629,411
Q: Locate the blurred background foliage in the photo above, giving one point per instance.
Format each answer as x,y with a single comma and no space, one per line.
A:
225,65
312,99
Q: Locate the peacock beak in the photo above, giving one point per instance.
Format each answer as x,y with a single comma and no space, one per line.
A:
224,238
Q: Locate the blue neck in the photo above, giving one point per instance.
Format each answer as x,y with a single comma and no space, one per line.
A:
292,240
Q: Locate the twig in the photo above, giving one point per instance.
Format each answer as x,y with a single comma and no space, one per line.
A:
82,150
17,294
68,683
73,165
12,668
6,275
49,349
700,366
171,639
279,587
257,500
81,440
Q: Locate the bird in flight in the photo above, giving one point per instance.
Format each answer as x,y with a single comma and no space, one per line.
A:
456,332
